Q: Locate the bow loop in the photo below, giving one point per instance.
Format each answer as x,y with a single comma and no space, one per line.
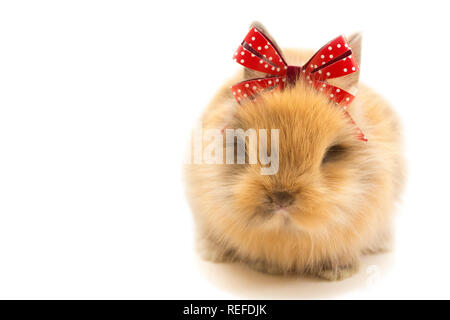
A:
337,69
258,53
333,51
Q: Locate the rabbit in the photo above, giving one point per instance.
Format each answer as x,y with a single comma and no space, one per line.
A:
332,198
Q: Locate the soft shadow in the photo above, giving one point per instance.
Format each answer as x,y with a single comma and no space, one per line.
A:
247,283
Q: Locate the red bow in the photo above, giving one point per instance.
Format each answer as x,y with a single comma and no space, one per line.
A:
333,60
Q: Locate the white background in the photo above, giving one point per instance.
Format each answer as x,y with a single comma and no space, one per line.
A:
97,99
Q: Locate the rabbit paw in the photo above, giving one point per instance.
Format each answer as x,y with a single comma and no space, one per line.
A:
211,252
338,273
264,267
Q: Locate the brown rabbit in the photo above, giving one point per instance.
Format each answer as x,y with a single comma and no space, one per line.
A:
333,196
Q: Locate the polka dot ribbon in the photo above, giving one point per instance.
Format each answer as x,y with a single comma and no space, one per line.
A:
333,60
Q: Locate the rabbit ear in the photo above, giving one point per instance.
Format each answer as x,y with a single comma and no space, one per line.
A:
350,82
251,74
355,41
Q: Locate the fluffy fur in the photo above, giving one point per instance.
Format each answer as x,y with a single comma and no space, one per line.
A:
338,209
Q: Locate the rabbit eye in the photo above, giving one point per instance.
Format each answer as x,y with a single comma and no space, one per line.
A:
334,153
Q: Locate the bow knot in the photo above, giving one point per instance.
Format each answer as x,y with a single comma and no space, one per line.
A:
293,74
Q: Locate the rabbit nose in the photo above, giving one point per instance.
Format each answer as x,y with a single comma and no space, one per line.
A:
282,198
